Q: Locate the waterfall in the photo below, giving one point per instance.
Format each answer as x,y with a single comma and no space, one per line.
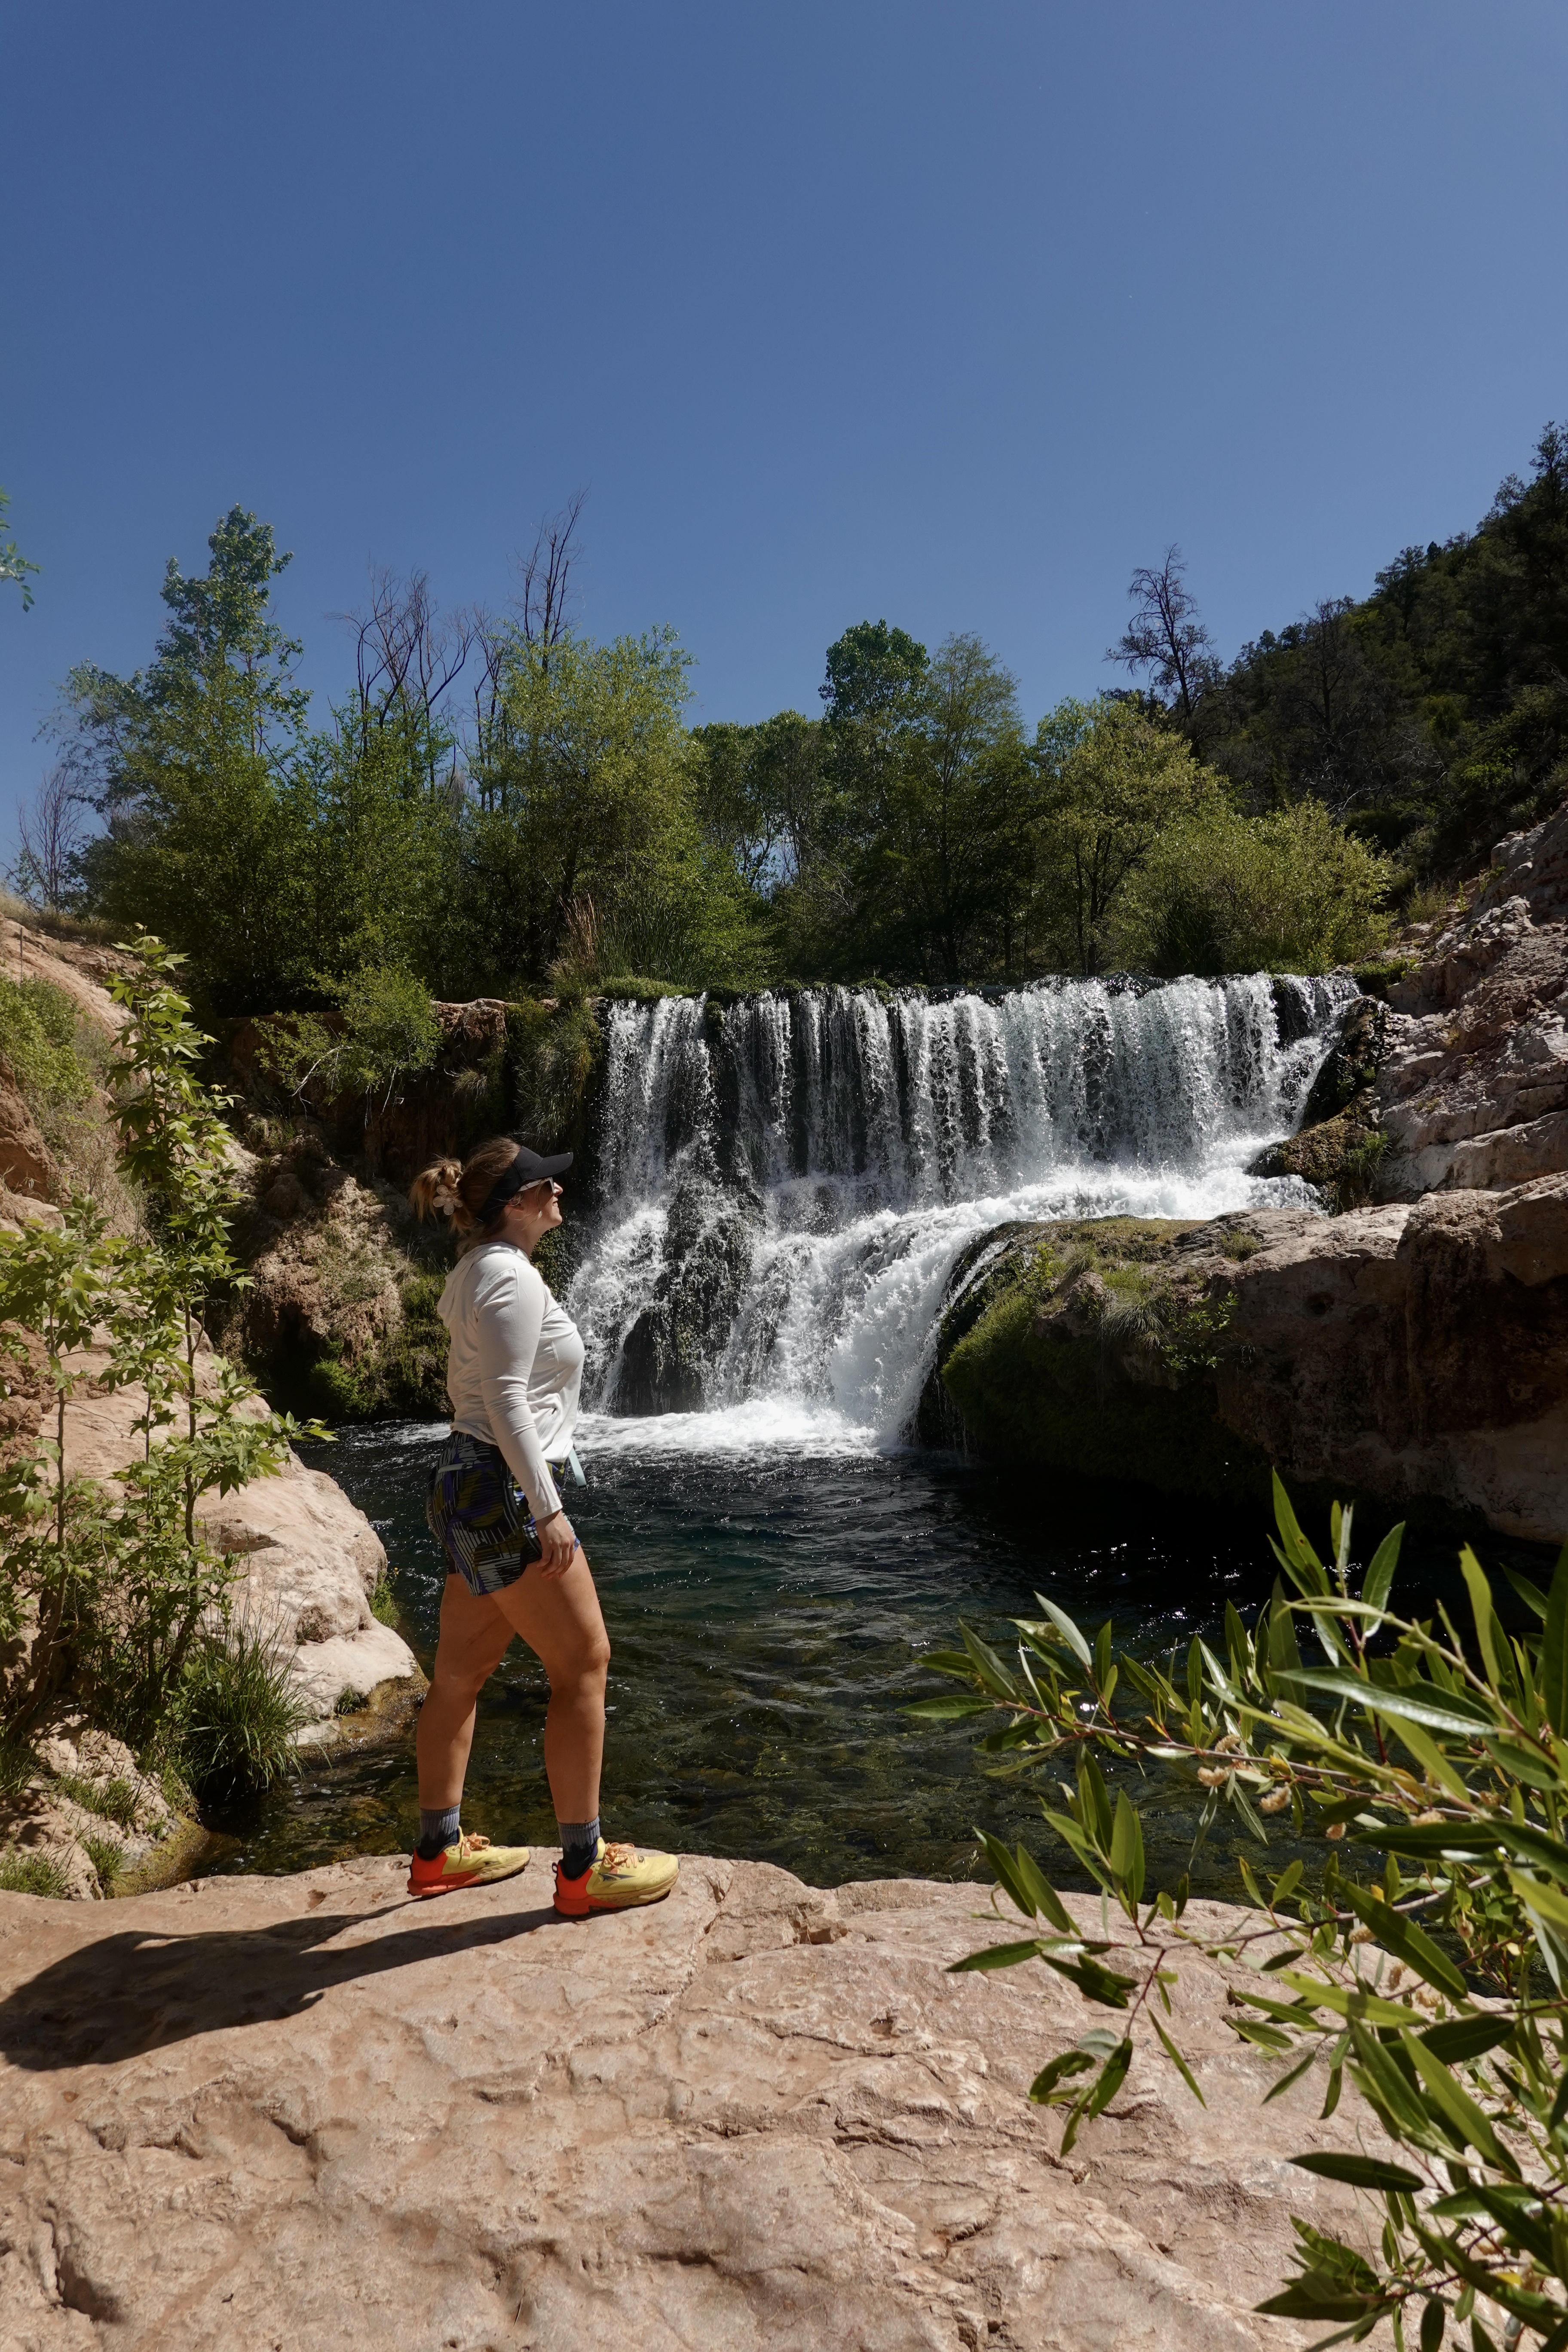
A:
784,1183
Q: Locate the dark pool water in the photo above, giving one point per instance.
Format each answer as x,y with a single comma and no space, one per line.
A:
768,1610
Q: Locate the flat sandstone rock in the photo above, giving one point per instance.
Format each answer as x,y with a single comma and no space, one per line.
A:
295,2115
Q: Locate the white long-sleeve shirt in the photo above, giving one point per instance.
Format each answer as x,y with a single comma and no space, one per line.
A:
514,1365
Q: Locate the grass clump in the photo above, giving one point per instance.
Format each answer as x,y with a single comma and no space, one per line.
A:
32,1873
19,1765
115,1800
383,1602
107,1857
240,1713
350,1701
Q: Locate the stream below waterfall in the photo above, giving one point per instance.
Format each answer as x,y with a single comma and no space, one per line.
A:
775,1195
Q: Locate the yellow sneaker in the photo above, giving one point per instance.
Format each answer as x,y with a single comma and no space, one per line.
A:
471,1861
618,1880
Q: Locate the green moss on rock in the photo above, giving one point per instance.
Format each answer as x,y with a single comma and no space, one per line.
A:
1090,1346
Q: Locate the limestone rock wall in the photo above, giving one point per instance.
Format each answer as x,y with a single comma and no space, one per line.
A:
1474,1083
1417,1353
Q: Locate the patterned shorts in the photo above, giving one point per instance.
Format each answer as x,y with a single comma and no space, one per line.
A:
478,1515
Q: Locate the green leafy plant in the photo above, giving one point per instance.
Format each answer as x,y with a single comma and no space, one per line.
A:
385,1032
1439,1987
115,1585
383,1602
38,1039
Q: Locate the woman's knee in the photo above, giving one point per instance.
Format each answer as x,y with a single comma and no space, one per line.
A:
586,1665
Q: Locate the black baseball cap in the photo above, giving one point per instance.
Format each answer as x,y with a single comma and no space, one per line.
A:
527,1168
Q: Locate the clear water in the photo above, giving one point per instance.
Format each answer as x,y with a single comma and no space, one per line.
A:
768,1601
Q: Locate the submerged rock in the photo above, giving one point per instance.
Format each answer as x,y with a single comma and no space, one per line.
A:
302,2111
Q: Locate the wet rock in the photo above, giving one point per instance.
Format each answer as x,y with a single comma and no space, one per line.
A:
302,2111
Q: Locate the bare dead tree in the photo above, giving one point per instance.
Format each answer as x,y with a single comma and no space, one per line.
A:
409,654
544,576
1166,639
52,833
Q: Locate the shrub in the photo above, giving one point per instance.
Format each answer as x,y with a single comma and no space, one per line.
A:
38,1039
240,1713
1289,892
1436,1988
387,1032
383,1602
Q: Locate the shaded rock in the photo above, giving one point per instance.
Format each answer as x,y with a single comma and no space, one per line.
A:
303,2111
1417,1354
1413,1353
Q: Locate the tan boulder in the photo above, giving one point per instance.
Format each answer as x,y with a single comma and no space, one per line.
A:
1412,1352
302,2112
307,1561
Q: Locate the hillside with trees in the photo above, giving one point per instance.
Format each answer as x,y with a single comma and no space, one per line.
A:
500,805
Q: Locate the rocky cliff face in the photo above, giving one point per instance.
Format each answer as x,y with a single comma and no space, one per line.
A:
303,2112
1473,1086
1418,1354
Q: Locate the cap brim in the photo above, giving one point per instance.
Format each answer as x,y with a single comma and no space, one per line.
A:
555,1167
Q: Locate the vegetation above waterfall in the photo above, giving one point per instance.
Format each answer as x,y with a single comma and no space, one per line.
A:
502,806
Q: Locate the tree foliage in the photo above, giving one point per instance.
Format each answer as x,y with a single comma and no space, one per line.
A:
1437,1987
1431,716
13,564
118,1593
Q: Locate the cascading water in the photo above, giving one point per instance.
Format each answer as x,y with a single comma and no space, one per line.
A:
786,1182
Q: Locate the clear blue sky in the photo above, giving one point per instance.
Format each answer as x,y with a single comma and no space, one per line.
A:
951,313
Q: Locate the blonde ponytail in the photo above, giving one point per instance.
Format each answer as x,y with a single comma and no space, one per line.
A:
445,1189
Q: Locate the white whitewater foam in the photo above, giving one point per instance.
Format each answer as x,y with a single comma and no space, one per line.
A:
834,1152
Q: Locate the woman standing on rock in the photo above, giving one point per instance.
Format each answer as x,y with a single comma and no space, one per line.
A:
514,1368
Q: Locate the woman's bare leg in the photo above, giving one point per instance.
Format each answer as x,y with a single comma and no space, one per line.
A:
474,1639
559,1618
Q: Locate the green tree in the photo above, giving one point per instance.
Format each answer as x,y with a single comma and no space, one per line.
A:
580,835
1114,784
942,883
192,757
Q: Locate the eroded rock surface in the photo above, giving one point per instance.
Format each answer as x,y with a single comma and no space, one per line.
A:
302,2113
1412,1352
1474,1086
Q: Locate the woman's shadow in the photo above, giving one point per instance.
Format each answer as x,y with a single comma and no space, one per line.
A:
124,1995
